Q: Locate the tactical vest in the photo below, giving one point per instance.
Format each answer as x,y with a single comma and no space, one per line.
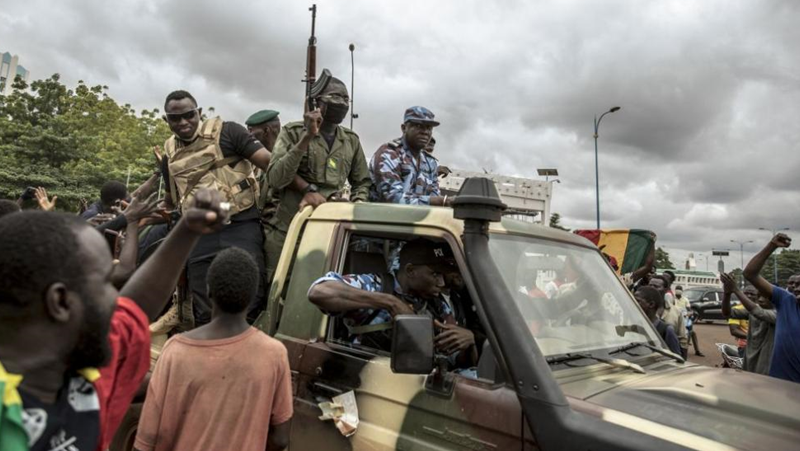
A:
201,164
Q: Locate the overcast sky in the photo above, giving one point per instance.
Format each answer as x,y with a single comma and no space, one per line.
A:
704,150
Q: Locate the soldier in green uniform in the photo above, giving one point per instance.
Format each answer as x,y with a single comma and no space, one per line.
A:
323,154
265,125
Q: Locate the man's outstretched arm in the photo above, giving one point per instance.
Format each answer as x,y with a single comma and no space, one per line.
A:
753,269
151,285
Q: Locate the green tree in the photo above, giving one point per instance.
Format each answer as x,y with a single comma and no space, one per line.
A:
71,141
788,265
662,259
555,222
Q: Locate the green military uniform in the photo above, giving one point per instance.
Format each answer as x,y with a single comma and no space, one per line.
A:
328,168
265,203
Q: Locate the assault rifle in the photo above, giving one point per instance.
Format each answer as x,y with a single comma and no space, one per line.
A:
311,61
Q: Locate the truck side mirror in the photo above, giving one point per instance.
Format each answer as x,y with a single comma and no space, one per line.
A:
412,344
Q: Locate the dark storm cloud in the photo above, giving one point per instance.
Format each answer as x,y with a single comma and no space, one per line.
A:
706,143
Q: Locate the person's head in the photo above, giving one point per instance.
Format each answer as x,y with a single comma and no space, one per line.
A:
678,291
660,283
56,296
796,288
112,192
232,280
792,282
182,114
431,145
670,278
265,126
453,279
332,98
418,123
8,206
650,299
752,293
423,264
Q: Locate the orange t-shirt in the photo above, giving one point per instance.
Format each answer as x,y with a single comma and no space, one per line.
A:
216,394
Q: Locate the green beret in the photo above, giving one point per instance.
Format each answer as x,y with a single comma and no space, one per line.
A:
261,117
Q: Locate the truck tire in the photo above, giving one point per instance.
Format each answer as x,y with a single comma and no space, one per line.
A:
126,434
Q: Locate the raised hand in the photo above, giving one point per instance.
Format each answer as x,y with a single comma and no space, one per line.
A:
312,121
728,282
781,240
45,203
208,213
140,209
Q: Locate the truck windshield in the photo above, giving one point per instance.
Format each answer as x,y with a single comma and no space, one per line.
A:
568,296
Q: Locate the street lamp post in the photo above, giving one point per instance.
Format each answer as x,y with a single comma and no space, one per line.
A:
741,254
596,165
774,254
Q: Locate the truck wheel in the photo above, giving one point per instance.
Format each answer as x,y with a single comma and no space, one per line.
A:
126,434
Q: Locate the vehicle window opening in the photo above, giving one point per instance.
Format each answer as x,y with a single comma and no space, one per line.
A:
376,255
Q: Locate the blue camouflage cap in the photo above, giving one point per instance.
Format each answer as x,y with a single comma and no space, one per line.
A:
421,115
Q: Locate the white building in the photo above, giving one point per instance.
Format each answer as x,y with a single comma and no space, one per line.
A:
529,198
9,69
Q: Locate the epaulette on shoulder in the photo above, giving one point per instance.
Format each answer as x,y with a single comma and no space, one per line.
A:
395,144
349,132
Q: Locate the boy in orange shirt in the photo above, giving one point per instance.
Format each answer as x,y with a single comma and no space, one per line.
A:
224,385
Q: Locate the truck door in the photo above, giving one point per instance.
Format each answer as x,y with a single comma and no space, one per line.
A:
396,411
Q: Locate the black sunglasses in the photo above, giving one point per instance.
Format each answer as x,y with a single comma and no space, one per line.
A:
176,117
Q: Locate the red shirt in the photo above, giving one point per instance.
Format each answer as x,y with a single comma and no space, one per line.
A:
129,337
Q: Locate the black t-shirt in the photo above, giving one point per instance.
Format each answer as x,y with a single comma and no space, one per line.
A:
71,423
234,140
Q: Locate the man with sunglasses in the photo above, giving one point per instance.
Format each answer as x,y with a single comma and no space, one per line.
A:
322,153
212,154
401,172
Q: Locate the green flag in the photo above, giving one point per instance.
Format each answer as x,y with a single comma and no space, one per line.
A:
13,436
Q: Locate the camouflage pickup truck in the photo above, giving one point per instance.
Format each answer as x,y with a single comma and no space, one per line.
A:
569,361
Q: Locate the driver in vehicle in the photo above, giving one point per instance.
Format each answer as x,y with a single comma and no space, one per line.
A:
368,302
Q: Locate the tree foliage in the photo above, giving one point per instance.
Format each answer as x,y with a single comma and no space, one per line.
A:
788,265
71,141
555,222
662,259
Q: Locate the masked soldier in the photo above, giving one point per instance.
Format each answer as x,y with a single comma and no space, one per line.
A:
322,153
218,155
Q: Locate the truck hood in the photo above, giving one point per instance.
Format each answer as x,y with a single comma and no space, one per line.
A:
740,409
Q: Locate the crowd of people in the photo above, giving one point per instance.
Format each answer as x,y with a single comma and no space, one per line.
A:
765,324
230,194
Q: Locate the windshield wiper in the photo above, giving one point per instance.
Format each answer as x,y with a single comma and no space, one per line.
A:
661,351
618,363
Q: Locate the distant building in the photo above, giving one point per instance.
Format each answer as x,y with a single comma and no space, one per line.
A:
527,199
9,69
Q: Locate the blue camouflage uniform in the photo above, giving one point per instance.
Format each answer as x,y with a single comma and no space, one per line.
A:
382,337
400,176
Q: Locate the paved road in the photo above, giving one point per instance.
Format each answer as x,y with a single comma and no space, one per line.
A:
707,336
